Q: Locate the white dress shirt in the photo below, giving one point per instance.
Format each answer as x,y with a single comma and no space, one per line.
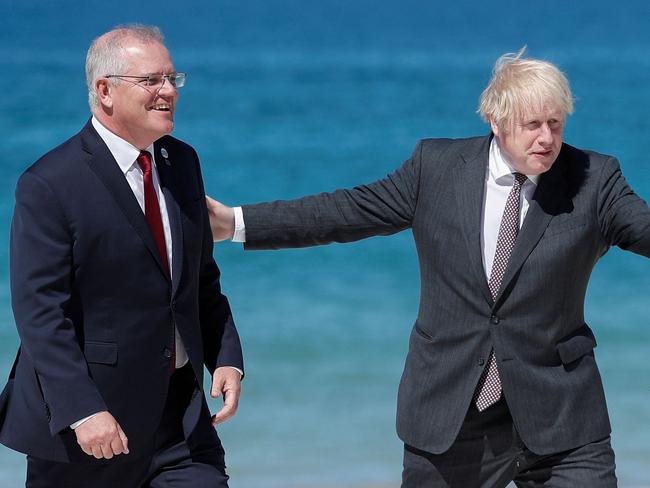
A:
498,183
499,179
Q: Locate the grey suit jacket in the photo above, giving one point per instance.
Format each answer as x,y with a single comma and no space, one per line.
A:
536,325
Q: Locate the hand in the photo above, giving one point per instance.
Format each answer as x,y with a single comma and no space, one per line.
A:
101,436
222,220
226,381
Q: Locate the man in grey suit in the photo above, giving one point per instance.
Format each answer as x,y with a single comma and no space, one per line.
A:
500,382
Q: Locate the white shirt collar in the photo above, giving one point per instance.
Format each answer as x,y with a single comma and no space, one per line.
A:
124,152
499,167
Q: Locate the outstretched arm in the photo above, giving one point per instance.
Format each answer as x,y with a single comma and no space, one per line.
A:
380,208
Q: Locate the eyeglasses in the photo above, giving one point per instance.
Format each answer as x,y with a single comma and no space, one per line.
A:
177,80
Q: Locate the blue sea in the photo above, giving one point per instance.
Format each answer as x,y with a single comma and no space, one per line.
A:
290,97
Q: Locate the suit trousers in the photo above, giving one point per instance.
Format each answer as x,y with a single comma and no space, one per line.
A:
196,462
488,453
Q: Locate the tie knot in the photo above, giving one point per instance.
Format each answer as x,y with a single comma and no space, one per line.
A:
144,160
520,178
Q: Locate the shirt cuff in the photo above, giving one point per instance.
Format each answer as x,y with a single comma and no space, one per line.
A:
240,229
79,422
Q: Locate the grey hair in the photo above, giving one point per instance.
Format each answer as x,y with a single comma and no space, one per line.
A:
106,54
519,84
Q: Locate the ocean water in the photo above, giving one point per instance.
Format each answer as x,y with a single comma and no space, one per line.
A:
288,97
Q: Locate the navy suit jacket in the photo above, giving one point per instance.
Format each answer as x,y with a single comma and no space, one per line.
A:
536,324
95,309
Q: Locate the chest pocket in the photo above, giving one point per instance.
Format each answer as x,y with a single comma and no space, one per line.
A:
560,226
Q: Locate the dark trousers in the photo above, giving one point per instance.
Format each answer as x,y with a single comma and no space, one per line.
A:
488,453
177,462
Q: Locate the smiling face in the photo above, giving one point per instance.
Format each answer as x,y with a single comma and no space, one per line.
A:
138,113
532,142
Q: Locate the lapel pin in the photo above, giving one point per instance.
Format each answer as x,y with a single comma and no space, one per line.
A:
165,155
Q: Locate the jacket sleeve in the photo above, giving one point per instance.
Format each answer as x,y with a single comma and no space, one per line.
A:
384,207
624,217
41,273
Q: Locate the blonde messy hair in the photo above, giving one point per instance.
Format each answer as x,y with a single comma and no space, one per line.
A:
519,85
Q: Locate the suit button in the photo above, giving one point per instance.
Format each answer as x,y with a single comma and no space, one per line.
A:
481,361
167,353
494,319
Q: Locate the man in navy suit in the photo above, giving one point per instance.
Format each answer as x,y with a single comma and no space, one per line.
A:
116,294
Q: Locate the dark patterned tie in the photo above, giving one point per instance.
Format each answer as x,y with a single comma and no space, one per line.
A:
488,391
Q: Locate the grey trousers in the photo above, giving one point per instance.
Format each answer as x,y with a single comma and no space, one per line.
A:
488,453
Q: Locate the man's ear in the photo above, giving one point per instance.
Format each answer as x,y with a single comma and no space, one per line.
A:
494,126
104,92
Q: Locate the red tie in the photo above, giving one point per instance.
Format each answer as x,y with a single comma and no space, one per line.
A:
152,214
152,209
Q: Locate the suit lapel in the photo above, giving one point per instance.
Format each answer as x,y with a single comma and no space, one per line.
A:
550,198
470,180
101,162
165,166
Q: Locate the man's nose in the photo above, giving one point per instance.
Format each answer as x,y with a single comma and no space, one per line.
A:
166,88
545,135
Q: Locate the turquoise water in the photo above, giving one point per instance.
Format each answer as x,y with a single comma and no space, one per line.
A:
286,98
